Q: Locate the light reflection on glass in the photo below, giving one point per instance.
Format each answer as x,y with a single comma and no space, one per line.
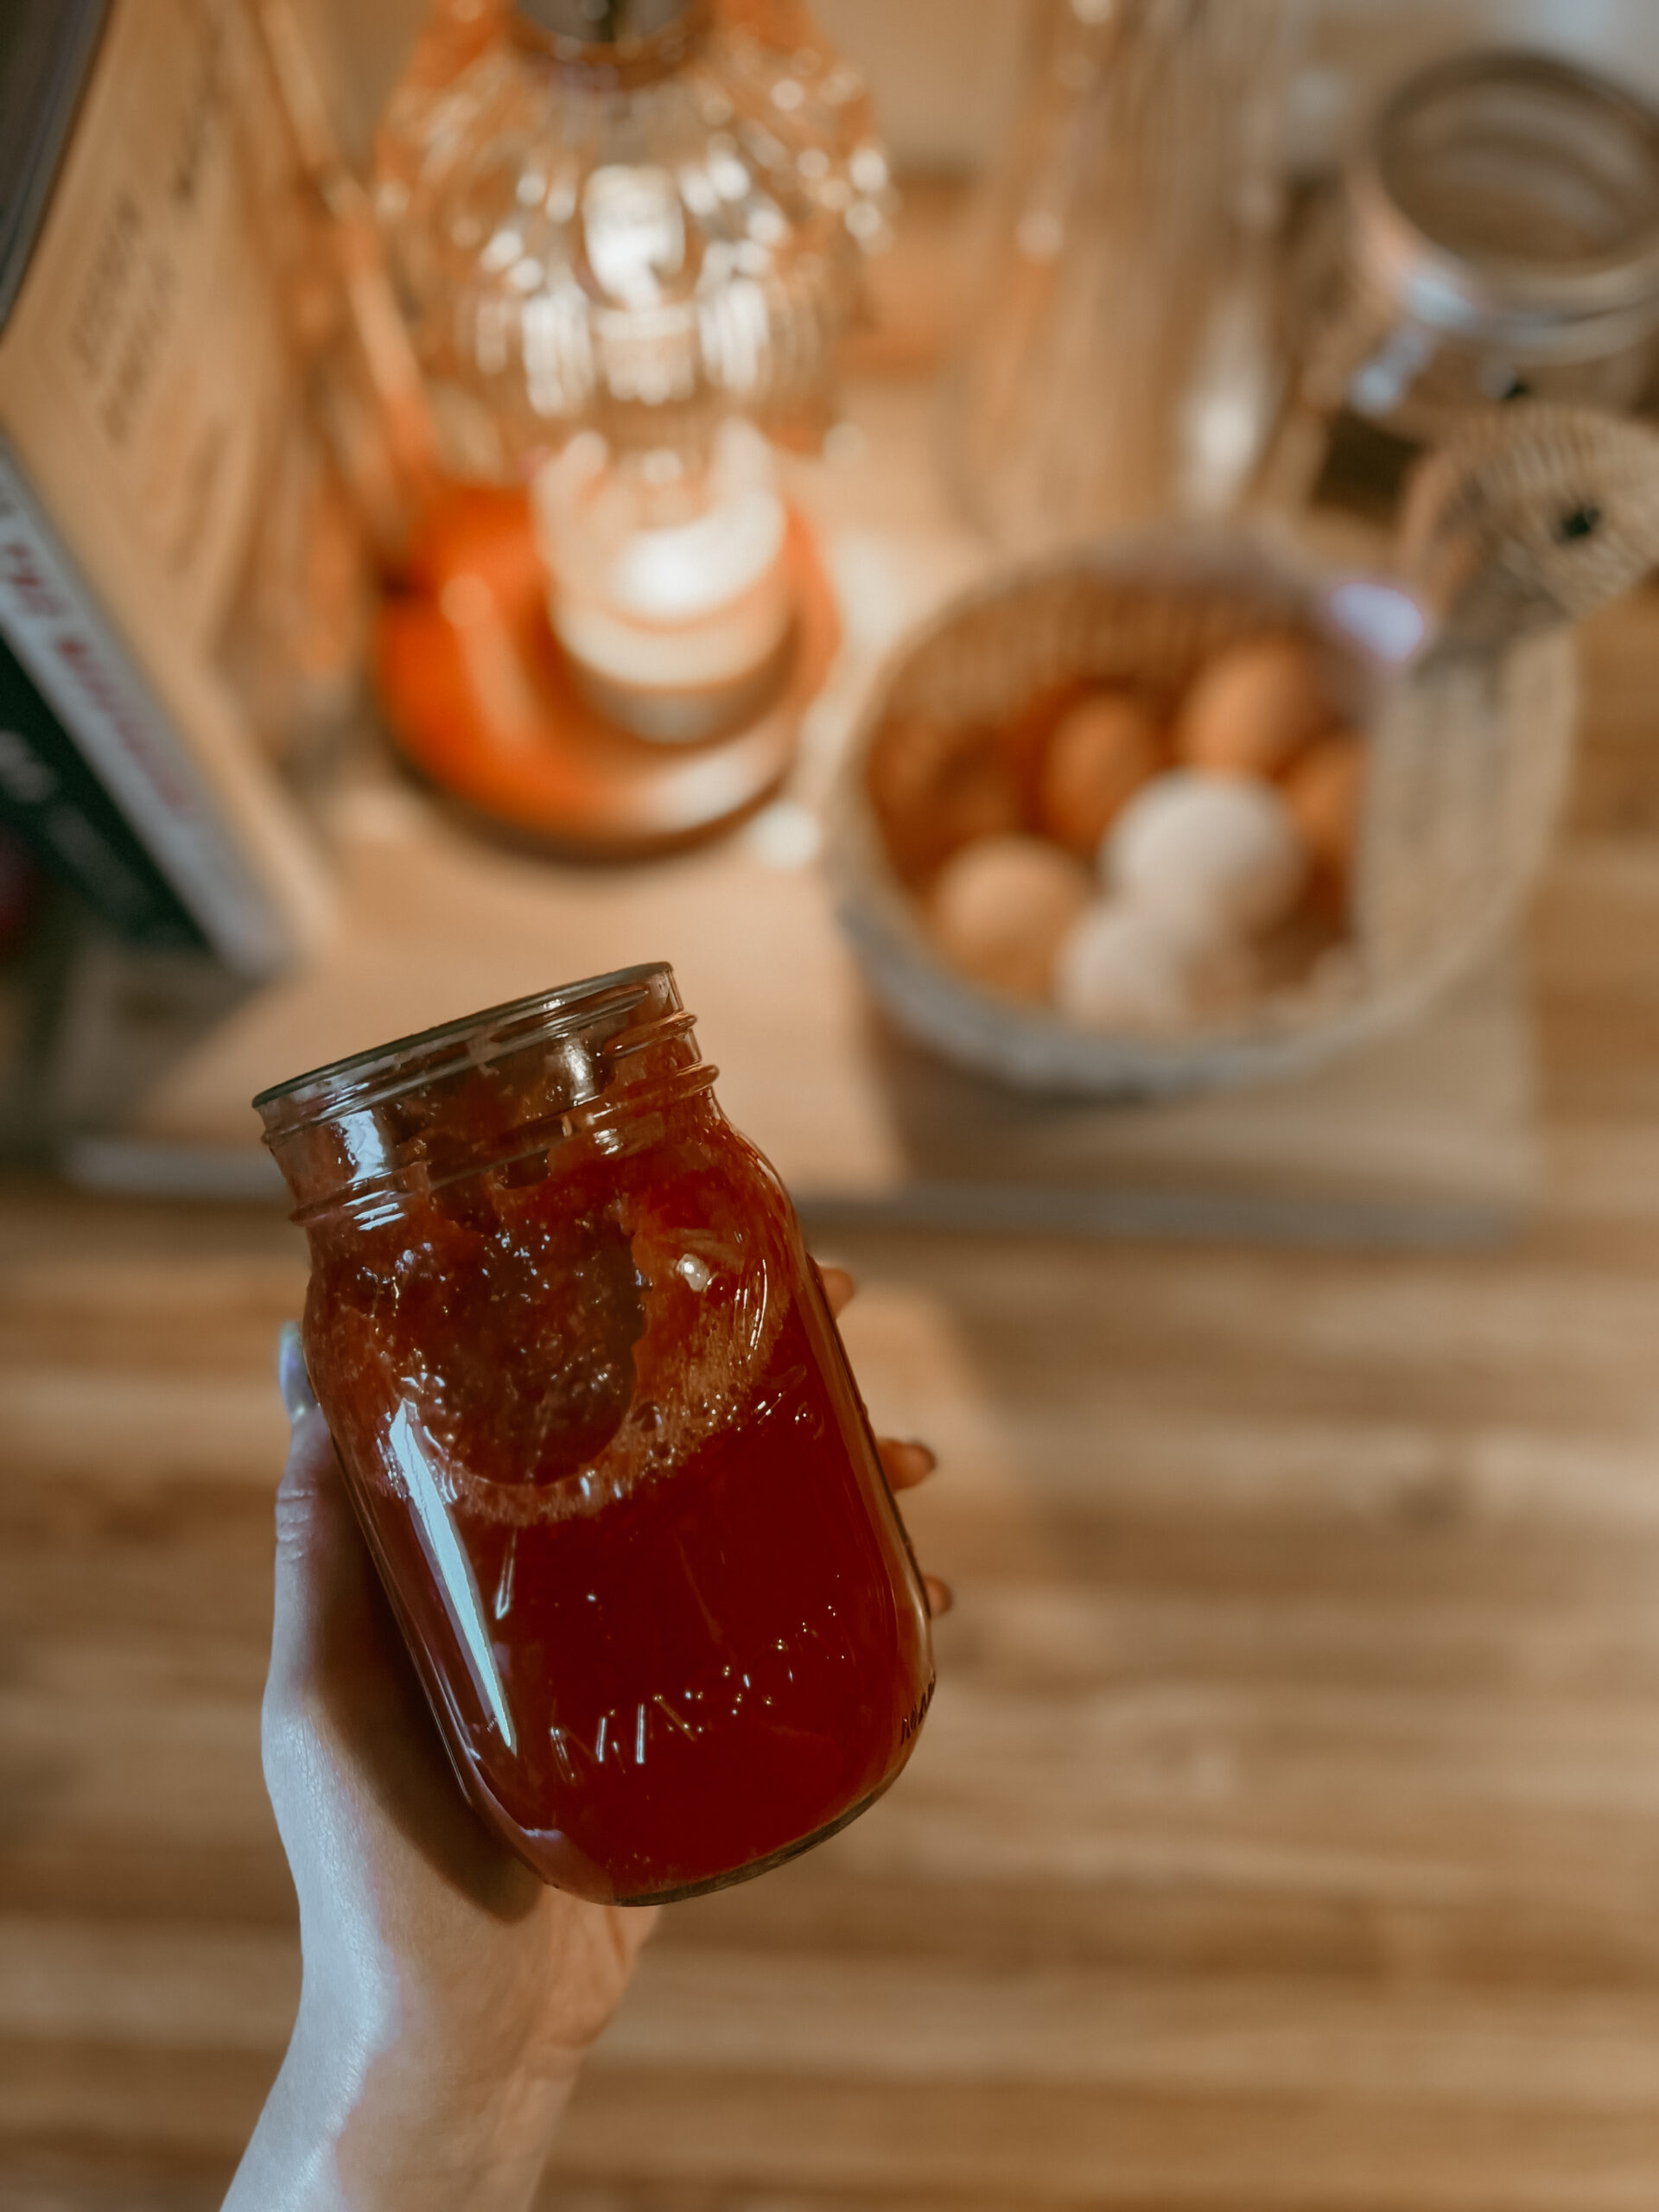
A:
450,1565
1386,621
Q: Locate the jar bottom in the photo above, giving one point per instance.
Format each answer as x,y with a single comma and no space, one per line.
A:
579,1876
780,1858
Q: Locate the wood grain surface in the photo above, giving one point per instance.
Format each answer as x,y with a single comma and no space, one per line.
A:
1286,1832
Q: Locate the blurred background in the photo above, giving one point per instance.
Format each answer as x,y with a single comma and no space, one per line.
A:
1083,569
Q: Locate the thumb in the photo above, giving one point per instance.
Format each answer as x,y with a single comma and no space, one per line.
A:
320,1560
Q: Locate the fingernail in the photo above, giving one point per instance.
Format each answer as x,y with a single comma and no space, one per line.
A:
292,1381
940,1596
926,1451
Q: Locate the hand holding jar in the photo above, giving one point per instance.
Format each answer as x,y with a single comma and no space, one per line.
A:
449,1995
597,1433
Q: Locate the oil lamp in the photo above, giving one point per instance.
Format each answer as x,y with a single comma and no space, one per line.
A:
625,235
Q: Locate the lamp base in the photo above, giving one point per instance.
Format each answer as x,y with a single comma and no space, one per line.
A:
480,700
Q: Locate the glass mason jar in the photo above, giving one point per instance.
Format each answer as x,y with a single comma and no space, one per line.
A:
1495,238
603,1442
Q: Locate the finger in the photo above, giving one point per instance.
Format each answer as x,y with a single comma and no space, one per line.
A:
344,1722
838,1287
322,1567
905,1462
939,1596
308,1494
293,1379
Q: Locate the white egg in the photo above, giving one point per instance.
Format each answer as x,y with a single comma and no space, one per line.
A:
1193,844
1130,967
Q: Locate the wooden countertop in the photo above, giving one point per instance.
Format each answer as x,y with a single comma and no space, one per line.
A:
1286,1832
1285,1836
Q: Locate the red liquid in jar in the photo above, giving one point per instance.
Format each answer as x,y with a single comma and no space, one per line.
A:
606,1447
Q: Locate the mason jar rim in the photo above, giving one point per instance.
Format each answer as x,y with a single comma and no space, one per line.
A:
1448,287
354,1081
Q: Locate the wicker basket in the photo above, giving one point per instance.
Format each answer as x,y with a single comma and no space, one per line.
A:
1469,759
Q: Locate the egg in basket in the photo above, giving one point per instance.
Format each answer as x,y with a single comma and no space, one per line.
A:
1182,810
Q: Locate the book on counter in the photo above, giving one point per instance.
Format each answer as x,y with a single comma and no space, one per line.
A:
152,470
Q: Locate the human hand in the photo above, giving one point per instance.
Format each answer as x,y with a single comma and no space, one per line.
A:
448,1995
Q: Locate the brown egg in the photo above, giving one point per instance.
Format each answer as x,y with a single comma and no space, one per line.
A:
1000,908
935,788
1023,739
1323,793
1101,752
1253,708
